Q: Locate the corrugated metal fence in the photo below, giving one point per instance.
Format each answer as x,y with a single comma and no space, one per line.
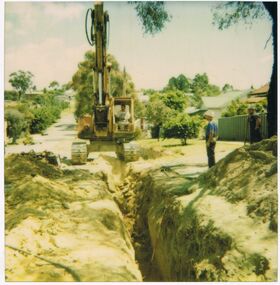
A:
234,128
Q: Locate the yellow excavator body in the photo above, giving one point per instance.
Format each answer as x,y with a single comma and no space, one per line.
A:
103,128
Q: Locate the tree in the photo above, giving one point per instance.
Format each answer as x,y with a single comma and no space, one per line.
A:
149,92
229,13
182,127
139,109
82,83
227,87
200,81
54,85
157,113
201,86
21,81
237,107
181,83
174,99
152,15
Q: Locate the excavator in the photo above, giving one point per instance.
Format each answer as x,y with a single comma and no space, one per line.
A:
111,125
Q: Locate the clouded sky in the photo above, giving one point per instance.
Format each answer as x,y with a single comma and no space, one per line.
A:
48,39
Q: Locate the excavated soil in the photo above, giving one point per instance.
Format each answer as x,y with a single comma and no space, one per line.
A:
220,226
107,221
63,225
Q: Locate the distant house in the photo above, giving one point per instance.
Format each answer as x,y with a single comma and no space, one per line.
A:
254,100
260,92
192,111
34,93
257,95
218,104
68,95
143,98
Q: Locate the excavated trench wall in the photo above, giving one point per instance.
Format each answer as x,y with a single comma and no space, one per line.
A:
63,225
221,226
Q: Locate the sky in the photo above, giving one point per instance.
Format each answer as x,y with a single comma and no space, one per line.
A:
48,39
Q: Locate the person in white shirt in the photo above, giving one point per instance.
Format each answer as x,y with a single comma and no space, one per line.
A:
123,115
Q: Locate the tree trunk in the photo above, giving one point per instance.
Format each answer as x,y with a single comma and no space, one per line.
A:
184,141
271,7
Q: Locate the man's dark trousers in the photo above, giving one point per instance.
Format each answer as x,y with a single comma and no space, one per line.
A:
211,154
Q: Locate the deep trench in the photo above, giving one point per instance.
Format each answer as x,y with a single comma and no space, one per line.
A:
129,203
133,198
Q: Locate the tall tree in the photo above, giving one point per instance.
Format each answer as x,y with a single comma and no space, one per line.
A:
202,87
181,83
82,83
227,87
21,81
229,13
54,85
152,15
174,99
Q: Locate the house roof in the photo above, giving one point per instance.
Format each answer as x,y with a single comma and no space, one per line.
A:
261,90
221,101
253,100
143,98
194,110
69,92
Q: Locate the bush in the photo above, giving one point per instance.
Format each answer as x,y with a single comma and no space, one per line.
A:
43,117
32,114
182,127
10,95
155,131
47,111
239,108
138,134
16,123
28,139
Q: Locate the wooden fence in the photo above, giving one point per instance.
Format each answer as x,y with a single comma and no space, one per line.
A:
234,128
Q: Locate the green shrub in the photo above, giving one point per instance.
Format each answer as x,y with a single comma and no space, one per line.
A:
28,139
10,95
138,134
43,117
16,123
36,114
239,108
47,111
155,131
182,127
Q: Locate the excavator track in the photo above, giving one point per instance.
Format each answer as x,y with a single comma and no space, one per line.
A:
128,151
79,152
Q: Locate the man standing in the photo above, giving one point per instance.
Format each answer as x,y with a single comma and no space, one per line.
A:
254,123
211,134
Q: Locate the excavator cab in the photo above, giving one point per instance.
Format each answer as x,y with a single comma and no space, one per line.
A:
123,122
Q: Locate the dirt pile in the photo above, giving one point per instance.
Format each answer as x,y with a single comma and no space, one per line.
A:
19,166
250,175
221,226
63,225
